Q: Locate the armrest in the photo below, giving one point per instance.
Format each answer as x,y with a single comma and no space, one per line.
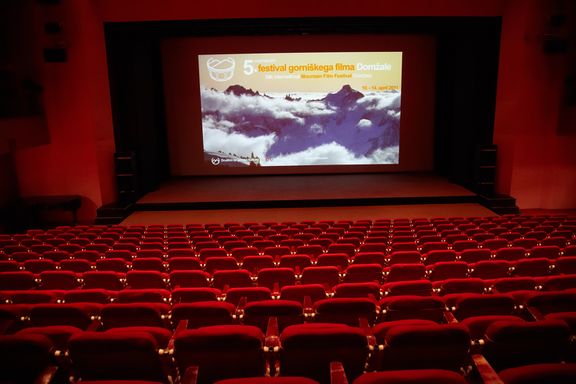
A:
337,374
190,376
47,375
94,325
365,326
485,370
535,313
449,317
239,314
182,325
272,339
307,308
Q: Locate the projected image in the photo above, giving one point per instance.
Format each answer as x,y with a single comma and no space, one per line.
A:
292,109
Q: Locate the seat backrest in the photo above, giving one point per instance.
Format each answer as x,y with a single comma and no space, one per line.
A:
220,352
24,357
308,350
412,307
116,356
345,310
286,312
328,276
299,292
512,344
203,313
134,314
441,346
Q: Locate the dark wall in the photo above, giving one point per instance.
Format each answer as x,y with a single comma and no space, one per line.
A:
138,103
467,72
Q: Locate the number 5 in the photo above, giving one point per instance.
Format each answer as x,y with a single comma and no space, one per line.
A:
248,68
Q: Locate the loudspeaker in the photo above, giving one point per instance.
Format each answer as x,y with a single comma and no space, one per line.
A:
485,169
55,55
126,177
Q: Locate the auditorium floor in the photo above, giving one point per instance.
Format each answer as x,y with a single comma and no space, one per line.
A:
299,214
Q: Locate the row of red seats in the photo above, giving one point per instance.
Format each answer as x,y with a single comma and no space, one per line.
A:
411,342
251,260
349,301
293,240
113,276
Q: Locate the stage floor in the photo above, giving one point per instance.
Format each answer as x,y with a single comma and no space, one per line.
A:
304,191
222,216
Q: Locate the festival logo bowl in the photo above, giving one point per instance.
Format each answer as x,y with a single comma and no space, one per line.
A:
221,70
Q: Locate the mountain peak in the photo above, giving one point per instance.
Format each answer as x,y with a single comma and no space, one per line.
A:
239,90
345,96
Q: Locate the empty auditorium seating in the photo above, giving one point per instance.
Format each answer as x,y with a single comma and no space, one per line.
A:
308,281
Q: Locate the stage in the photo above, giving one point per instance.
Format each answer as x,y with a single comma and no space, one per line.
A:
297,191
297,198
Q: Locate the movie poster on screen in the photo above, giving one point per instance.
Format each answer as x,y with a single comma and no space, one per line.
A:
301,109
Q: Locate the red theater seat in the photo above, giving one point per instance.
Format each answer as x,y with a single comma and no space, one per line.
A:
146,279
79,315
220,352
414,376
532,267
327,276
360,273
358,289
346,310
276,278
297,261
286,312
369,257
269,380
557,373
256,263
19,280
416,287
438,346
511,344
404,272
25,358
444,270
473,255
339,260
247,294
412,307
435,256
192,295
224,263
148,264
491,269
134,314
231,279
75,265
145,295
117,356
471,304
308,350
112,281
179,263
203,314
65,280
313,292
114,265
